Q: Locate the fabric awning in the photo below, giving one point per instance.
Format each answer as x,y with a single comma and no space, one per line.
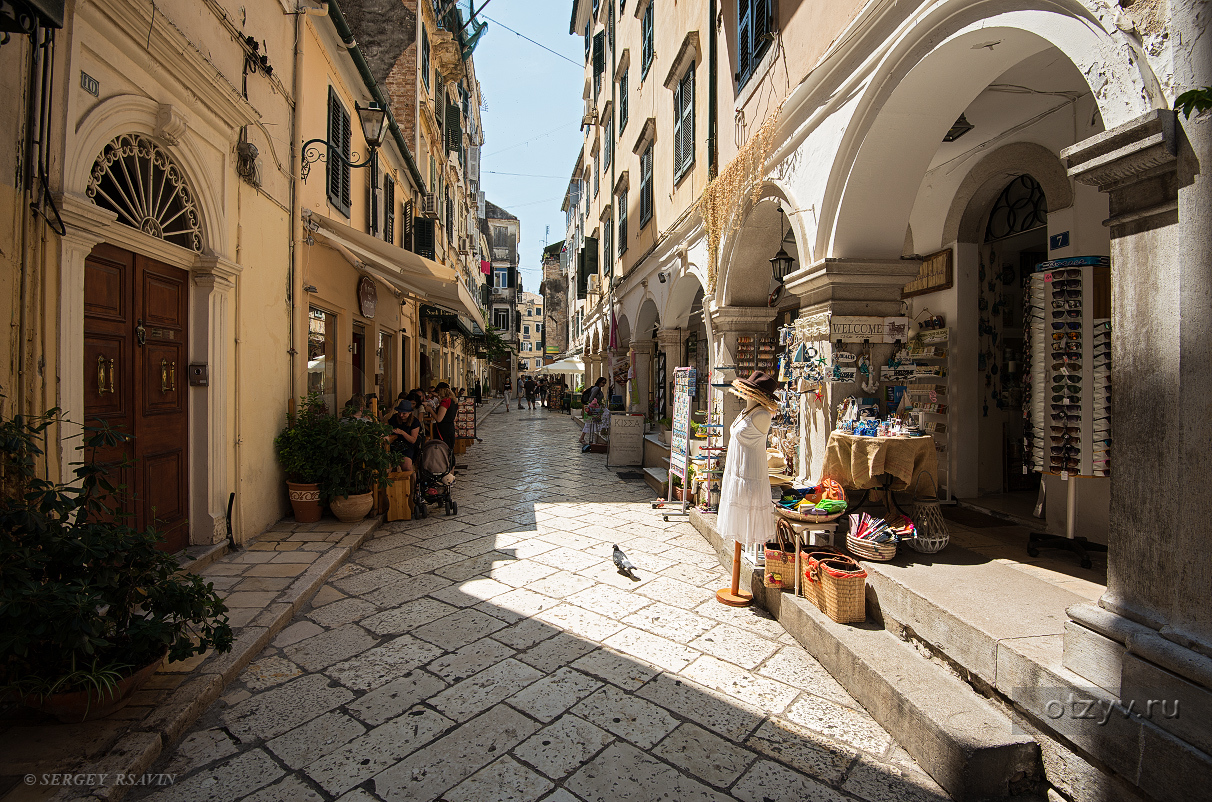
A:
408,272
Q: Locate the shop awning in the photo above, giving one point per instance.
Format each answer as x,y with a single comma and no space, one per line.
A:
404,270
449,321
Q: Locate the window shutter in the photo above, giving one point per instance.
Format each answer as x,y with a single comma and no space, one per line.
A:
591,259
646,186
684,124
623,101
513,277
744,36
599,53
582,276
677,129
406,223
338,141
454,128
344,170
485,292
760,27
372,198
423,237
622,222
389,209
449,220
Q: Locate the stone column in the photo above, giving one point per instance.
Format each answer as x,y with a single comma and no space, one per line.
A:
851,286
1151,632
212,301
671,342
727,322
644,350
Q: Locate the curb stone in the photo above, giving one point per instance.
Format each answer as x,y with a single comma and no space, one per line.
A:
139,749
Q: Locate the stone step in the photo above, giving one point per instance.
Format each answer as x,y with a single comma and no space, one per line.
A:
970,747
657,479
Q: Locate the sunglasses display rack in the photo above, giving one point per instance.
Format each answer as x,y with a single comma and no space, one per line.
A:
1068,375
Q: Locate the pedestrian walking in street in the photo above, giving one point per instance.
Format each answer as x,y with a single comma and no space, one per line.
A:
530,387
521,391
476,390
505,392
543,390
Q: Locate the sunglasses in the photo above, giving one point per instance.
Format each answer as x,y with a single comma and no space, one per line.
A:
1067,440
1103,325
1064,464
1067,451
1065,430
1071,326
1063,406
1067,272
1066,304
1061,292
1067,398
1072,362
1067,284
1067,388
1071,313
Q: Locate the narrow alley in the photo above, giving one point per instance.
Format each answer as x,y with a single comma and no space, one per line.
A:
499,655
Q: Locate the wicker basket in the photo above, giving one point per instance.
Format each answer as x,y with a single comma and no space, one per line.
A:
792,515
840,585
932,534
810,587
870,550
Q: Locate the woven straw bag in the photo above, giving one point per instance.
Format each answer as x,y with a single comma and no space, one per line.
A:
780,558
932,534
810,588
841,587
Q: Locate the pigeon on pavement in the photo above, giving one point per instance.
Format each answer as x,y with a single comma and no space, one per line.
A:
625,566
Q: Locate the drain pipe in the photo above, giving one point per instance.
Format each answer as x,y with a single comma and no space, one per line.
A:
713,150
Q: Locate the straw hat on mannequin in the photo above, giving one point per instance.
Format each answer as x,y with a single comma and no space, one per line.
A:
758,388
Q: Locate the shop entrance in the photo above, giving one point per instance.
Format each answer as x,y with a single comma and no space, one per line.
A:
135,324
1015,241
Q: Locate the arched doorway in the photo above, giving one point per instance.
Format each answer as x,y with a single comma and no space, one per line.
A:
136,328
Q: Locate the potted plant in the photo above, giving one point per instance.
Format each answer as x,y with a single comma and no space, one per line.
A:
664,425
357,461
303,448
89,608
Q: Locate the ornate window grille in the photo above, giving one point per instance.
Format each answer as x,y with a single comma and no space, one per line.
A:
137,180
1021,207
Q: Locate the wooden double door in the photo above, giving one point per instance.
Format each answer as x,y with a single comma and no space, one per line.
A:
135,328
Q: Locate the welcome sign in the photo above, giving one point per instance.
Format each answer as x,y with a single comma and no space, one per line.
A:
857,329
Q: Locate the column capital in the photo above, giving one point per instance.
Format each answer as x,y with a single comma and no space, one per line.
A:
1127,153
84,220
667,338
742,318
643,346
852,285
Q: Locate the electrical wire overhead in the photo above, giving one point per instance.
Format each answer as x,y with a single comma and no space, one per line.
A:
577,64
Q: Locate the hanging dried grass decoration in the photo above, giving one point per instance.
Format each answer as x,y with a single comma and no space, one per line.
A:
722,198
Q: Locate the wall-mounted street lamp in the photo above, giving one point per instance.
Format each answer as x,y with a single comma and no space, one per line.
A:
781,262
373,118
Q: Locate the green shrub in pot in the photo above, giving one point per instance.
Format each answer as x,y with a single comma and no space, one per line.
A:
86,599
357,459
306,445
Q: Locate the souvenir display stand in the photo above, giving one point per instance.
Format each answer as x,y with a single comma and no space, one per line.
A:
922,370
685,380
1068,330
465,425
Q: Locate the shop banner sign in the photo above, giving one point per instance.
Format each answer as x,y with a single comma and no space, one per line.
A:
626,440
860,329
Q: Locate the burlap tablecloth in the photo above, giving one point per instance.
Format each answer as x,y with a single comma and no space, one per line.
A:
858,462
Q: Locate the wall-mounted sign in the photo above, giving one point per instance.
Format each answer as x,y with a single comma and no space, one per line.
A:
935,274
1058,241
368,296
850,329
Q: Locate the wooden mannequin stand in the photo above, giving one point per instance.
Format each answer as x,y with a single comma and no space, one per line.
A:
734,596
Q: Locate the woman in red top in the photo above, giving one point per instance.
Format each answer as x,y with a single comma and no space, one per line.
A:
445,414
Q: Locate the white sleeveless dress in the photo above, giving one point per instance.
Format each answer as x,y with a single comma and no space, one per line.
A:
746,514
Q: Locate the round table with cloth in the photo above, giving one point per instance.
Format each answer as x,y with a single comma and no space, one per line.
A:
860,463
745,513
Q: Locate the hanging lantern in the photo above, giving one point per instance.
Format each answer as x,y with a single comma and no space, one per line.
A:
781,263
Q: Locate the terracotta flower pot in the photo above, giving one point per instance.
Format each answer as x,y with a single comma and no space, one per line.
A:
351,509
74,707
305,501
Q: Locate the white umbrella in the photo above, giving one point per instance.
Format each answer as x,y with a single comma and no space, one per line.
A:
569,365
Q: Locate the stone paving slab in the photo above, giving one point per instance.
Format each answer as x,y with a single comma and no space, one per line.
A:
497,654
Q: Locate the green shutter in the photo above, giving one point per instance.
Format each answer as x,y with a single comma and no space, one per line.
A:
599,53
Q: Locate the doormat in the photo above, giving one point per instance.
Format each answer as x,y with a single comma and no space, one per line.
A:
973,519
630,476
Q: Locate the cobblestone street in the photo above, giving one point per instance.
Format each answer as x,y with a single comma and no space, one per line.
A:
498,655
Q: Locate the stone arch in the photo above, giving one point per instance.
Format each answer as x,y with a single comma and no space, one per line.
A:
686,288
744,273
132,114
989,176
646,319
928,77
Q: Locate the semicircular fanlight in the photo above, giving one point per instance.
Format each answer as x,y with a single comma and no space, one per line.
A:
1021,207
135,178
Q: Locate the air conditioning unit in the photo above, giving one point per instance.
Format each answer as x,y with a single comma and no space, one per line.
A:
590,117
429,205
593,284
465,246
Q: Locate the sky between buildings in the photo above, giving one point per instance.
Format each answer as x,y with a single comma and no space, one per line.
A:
532,120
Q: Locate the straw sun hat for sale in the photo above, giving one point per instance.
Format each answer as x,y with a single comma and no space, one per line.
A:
759,387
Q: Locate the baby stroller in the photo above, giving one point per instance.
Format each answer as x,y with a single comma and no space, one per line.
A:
435,475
